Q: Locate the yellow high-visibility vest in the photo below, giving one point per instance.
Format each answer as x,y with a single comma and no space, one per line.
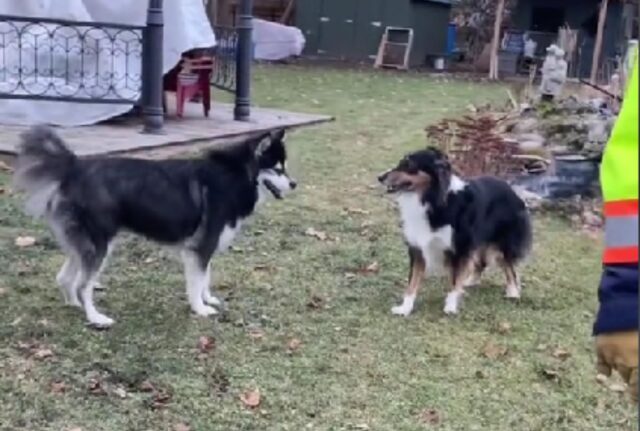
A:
619,181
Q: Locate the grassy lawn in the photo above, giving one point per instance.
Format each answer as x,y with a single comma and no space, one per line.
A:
308,325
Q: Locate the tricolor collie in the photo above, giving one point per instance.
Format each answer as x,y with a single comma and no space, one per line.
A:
195,205
459,225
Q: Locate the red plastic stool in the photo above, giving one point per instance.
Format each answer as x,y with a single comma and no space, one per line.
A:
194,79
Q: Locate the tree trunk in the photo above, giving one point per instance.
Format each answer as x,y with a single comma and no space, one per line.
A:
597,48
224,15
212,11
286,15
495,43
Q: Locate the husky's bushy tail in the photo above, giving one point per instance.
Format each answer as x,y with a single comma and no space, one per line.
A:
42,163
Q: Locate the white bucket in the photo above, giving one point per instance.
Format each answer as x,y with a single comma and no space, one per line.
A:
438,64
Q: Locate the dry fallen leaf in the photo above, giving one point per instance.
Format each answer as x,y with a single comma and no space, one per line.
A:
358,211
251,398
58,387
322,236
95,387
293,345
366,224
75,429
561,354
263,268
181,427
372,268
206,344
618,387
120,392
3,291
602,379
430,417
256,334
43,353
25,241
504,327
551,374
493,351
146,386
160,399
315,303
350,276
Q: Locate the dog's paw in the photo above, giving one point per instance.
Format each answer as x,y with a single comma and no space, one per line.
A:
73,302
401,310
512,293
205,311
100,321
450,310
452,303
212,300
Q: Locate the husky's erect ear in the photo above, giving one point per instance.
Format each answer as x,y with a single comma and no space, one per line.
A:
239,155
277,135
261,144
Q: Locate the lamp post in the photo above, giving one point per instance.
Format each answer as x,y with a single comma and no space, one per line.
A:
152,45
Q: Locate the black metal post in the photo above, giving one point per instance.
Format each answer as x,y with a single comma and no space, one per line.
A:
244,58
152,42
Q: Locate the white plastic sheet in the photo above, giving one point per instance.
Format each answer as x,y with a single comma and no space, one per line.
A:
273,41
186,27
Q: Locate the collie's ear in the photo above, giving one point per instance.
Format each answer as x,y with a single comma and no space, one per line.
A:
443,174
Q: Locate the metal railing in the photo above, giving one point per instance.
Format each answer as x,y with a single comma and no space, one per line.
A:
61,60
225,54
95,62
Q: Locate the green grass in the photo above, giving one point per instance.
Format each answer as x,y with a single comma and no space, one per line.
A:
358,367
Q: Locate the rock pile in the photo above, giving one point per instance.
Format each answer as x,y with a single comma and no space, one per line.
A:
570,126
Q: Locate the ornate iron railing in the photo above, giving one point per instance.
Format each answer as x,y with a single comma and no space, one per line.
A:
53,59
225,53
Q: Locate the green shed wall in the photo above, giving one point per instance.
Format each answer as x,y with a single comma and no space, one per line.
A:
352,29
430,28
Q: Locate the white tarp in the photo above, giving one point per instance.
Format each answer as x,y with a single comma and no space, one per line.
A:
273,41
185,27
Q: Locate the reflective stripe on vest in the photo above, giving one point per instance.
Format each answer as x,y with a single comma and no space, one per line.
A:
621,232
619,179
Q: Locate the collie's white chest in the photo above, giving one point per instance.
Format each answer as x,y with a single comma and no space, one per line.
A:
419,233
227,236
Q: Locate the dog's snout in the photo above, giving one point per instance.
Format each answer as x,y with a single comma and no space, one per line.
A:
293,184
383,177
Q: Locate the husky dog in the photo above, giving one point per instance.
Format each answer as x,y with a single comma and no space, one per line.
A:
197,205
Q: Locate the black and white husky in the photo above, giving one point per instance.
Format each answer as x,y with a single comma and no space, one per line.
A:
196,205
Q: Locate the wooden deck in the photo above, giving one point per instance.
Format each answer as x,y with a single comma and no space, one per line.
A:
191,133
